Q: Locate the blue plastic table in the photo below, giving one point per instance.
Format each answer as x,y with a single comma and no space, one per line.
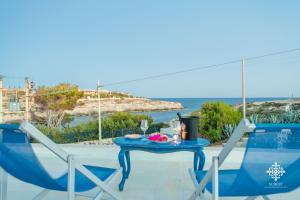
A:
127,145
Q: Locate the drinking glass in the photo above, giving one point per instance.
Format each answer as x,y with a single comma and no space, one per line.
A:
176,126
144,126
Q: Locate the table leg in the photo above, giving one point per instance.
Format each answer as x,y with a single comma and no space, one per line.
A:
127,156
196,161
122,164
199,161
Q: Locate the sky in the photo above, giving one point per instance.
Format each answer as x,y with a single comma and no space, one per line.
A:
81,42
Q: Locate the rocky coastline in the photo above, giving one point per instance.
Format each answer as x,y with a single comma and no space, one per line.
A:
108,105
89,106
272,107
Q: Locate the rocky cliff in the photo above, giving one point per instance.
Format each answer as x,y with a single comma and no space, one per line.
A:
89,106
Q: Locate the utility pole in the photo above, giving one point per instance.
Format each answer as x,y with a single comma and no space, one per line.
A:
99,113
27,99
244,88
1,99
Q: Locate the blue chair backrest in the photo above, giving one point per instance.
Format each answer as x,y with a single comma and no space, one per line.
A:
271,162
19,160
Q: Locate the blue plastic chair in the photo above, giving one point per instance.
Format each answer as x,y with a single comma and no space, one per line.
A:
18,159
271,164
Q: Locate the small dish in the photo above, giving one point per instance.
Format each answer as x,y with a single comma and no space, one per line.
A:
160,138
133,136
162,142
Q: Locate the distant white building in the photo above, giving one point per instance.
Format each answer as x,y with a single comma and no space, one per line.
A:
13,100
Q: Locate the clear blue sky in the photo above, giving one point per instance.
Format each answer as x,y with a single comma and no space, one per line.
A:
82,41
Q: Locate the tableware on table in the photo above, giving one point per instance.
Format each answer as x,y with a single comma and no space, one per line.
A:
175,138
163,142
183,135
191,126
144,126
160,138
176,126
133,136
183,131
166,130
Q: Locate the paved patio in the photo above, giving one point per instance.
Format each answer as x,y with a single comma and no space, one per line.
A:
153,176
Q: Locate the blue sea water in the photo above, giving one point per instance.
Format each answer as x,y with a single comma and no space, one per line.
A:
189,104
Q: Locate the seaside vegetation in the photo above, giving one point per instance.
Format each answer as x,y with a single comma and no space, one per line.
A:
288,116
55,101
110,95
114,125
273,112
217,120
271,108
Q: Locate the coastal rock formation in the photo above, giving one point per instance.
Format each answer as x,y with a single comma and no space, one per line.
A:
87,106
272,107
90,106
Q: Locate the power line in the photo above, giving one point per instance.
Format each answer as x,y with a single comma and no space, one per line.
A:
202,67
179,72
172,73
66,91
273,54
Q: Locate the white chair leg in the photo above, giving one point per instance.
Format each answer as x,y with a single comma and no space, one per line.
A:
251,198
3,185
109,180
71,178
41,195
194,180
193,177
215,178
99,195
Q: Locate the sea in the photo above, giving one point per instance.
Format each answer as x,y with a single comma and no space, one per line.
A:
189,104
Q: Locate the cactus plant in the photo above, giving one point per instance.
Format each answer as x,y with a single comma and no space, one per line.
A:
290,116
228,130
274,119
254,118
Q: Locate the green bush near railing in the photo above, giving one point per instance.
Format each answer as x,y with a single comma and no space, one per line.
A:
289,116
76,135
216,119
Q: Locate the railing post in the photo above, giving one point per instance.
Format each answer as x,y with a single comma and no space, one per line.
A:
1,99
215,178
99,113
71,178
244,88
3,184
27,99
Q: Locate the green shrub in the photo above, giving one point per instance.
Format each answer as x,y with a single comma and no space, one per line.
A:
117,124
288,116
213,118
120,120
